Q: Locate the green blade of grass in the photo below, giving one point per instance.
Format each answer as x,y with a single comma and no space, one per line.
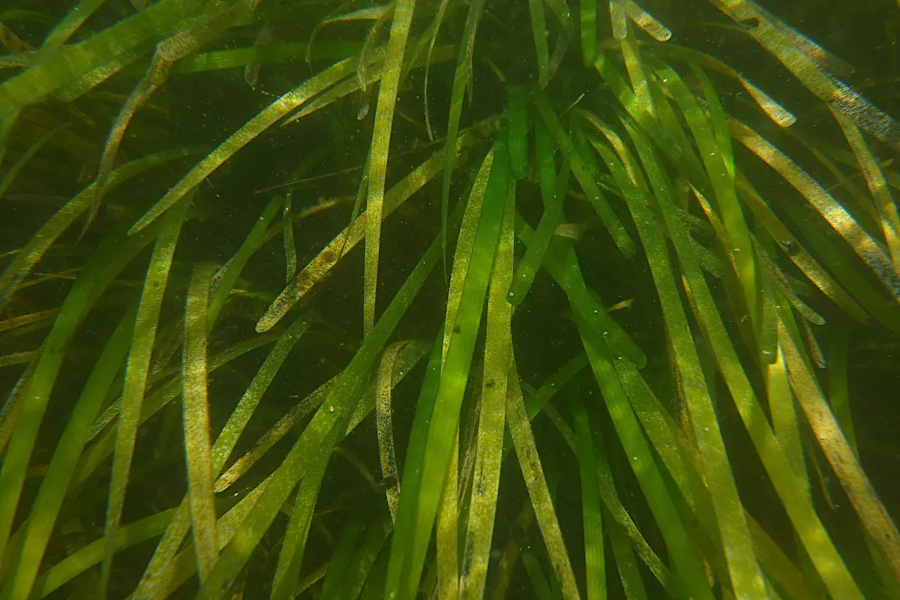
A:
290,248
198,448
595,564
517,115
588,26
414,528
743,569
156,573
492,416
381,142
384,427
136,372
632,583
787,483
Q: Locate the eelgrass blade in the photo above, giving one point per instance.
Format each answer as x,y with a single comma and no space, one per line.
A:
742,566
647,22
107,261
786,481
368,48
322,431
492,416
887,208
829,208
24,564
136,371
874,517
244,135
339,563
632,582
592,517
198,448
381,142
415,521
13,172
535,481
156,573
435,28
586,179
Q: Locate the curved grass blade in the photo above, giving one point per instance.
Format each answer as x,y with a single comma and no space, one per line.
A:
647,22
244,135
107,261
290,248
136,372
76,60
517,115
588,26
10,177
539,34
435,28
381,142
365,56
492,416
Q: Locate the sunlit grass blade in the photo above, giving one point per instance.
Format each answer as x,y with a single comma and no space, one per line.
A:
647,22
887,208
595,564
107,261
492,417
156,574
742,565
245,134
136,372
365,56
796,251
787,483
381,142
632,583
198,447
874,517
46,506
585,178
414,528
533,472
826,205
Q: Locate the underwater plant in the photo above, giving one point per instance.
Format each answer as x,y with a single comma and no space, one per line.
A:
552,299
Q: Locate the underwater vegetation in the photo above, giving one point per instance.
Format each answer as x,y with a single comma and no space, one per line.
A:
449,299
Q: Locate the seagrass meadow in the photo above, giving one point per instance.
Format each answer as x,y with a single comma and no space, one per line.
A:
449,299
